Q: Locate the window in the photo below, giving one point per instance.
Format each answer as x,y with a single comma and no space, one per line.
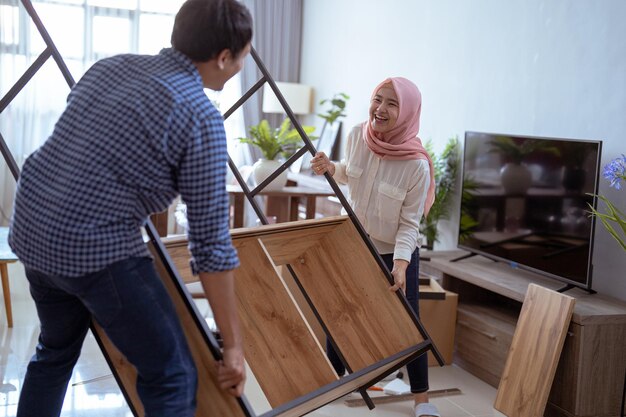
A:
83,31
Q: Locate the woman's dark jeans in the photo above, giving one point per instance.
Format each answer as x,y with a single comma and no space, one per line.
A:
417,369
129,301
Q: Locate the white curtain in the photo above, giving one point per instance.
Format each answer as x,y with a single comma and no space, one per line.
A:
277,40
84,31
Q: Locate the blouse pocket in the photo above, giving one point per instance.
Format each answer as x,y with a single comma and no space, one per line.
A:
354,175
390,201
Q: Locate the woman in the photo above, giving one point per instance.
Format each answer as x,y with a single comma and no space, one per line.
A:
390,187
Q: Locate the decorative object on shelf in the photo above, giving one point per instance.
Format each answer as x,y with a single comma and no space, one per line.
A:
515,176
273,143
614,219
446,167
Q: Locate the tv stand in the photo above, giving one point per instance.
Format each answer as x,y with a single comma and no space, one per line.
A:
460,258
568,287
469,255
590,374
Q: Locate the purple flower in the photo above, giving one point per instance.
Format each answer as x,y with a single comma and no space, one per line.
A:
615,171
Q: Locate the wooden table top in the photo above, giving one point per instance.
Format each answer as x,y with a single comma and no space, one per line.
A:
292,191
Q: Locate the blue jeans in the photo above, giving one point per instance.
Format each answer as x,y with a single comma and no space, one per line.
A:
129,301
417,369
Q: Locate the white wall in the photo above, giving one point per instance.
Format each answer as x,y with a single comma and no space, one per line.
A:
545,68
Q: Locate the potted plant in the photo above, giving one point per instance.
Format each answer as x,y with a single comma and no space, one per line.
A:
446,167
337,107
330,116
516,177
273,143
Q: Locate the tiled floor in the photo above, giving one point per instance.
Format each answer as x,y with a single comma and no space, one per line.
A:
93,392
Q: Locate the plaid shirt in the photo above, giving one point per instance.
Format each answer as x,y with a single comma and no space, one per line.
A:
137,131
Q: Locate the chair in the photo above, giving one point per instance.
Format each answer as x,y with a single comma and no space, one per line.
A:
6,257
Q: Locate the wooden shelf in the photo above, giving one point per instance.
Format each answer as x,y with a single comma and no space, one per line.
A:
587,381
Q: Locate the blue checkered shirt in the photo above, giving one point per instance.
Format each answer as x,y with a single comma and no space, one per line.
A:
137,131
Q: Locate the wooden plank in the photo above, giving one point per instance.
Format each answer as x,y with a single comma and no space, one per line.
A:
534,353
347,384
179,253
386,399
211,400
272,229
351,294
288,246
439,319
124,371
284,355
431,290
280,347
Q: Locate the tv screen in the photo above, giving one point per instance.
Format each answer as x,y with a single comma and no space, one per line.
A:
525,200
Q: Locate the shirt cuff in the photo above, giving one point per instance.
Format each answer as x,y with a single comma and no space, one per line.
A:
402,253
217,260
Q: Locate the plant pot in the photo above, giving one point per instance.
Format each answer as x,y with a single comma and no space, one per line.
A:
515,178
263,168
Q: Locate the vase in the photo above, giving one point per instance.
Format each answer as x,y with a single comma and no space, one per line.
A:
515,178
263,168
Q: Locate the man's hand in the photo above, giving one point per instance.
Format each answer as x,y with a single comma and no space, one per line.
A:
231,372
219,288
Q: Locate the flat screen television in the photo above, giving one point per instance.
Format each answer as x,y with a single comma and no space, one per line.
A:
525,200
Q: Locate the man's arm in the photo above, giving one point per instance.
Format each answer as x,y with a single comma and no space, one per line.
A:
219,288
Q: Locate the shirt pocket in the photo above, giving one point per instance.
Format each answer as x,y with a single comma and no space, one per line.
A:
353,173
390,201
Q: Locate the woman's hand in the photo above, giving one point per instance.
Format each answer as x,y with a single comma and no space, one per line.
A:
399,275
321,164
231,372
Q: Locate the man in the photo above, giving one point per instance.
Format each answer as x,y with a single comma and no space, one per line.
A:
137,131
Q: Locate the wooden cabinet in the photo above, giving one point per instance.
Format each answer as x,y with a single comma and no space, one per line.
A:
483,336
590,376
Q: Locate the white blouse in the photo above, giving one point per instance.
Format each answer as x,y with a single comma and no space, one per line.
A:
387,196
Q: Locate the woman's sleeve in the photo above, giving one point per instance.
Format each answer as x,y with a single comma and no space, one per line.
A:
408,236
340,167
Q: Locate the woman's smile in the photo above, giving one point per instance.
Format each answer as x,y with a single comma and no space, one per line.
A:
384,109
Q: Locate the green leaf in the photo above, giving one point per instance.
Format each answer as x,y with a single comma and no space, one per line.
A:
273,142
338,104
614,215
445,171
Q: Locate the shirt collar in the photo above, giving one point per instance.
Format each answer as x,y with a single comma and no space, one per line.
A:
183,60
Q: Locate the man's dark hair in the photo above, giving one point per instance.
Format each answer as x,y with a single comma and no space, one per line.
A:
204,28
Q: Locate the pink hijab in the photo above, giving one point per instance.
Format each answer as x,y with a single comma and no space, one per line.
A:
402,142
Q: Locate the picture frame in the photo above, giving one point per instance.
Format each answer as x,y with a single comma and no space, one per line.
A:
327,143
